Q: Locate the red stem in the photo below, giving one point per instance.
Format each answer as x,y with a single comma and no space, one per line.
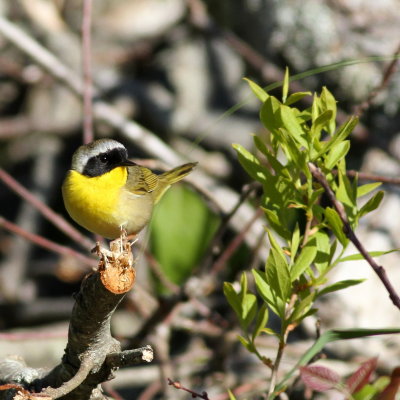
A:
47,244
46,211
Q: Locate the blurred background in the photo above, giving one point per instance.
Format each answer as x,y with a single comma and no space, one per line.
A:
177,68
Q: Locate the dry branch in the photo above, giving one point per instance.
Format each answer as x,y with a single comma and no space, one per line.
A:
378,269
92,355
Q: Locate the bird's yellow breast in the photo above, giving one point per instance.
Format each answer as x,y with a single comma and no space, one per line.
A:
93,202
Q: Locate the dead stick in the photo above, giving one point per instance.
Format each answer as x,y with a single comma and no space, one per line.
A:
45,210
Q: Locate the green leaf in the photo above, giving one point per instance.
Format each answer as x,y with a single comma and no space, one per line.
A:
301,308
358,256
231,395
328,337
337,153
248,303
265,292
293,126
260,145
367,392
336,225
276,224
295,242
304,260
285,86
269,114
233,299
250,163
367,188
243,285
275,245
371,204
277,274
320,123
295,97
176,244
249,309
261,322
247,344
328,102
315,108
322,258
340,135
260,93
339,286
346,193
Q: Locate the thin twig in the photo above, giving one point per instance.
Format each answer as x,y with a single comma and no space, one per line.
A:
372,177
235,243
282,344
378,269
46,243
177,385
129,357
87,72
46,211
387,75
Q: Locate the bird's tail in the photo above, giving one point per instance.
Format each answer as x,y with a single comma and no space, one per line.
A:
170,177
178,173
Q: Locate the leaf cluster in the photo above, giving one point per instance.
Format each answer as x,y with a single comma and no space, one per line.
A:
305,234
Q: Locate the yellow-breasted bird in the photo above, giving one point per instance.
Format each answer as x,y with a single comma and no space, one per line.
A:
105,192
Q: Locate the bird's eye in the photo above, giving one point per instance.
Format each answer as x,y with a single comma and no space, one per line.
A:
104,158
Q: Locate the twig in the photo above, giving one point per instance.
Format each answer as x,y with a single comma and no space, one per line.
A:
177,385
387,75
46,243
151,391
244,195
129,357
372,177
157,270
67,387
379,270
46,211
282,344
235,243
87,72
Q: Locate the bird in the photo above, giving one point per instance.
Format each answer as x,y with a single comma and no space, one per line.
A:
106,193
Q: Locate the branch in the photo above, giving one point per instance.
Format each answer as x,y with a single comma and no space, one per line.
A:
379,270
46,243
177,385
387,75
46,211
92,354
373,177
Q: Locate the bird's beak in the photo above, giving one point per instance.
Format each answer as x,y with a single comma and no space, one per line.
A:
127,163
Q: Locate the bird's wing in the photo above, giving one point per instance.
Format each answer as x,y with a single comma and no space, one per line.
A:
141,180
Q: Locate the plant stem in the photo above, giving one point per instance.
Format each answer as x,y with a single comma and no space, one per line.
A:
282,343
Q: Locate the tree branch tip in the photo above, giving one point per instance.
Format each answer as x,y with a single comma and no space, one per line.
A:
116,265
148,354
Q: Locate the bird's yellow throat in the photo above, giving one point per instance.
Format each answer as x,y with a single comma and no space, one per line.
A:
92,201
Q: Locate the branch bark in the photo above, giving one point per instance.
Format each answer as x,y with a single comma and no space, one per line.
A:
92,355
378,269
